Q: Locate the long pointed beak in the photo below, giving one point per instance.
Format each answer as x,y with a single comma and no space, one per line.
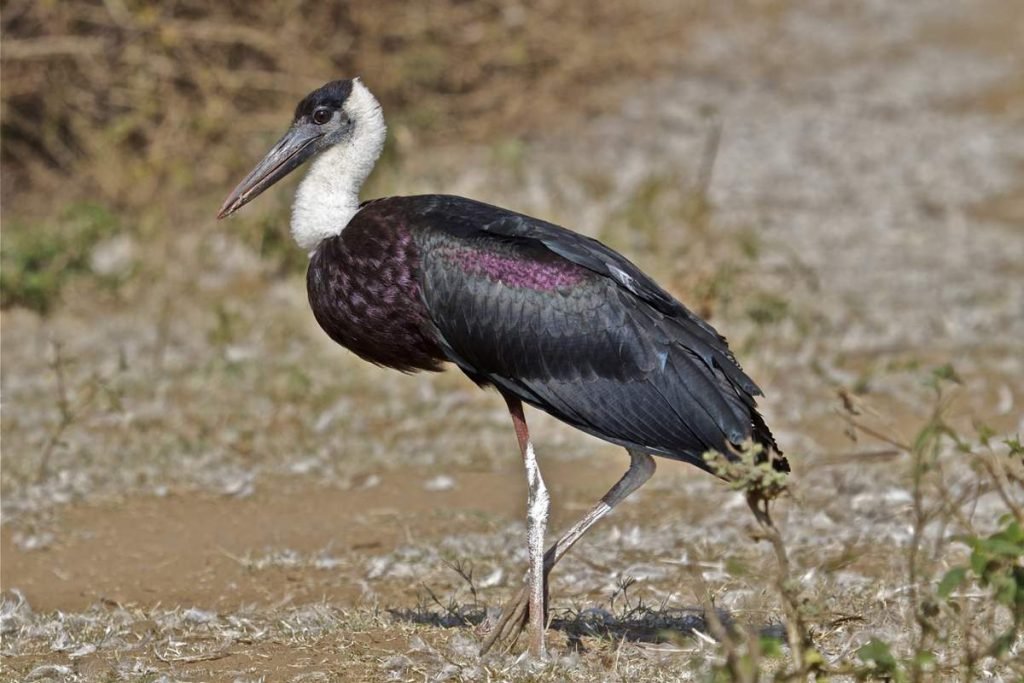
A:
288,154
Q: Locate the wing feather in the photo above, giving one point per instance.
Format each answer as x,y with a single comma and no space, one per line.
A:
574,328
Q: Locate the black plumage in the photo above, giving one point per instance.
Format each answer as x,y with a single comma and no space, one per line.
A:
555,318
545,315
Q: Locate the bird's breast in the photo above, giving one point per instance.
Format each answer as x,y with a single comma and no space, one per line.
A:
364,290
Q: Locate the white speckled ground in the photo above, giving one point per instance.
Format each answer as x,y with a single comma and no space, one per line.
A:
235,496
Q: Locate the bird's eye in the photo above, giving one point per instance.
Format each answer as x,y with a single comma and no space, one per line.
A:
322,116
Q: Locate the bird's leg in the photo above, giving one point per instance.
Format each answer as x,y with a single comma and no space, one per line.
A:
538,505
514,614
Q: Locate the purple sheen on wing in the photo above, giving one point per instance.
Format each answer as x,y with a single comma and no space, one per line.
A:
541,275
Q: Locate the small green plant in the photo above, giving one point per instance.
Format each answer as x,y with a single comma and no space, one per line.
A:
751,471
36,262
995,564
972,613
879,662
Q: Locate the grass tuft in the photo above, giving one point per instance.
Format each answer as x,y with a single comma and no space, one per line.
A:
38,261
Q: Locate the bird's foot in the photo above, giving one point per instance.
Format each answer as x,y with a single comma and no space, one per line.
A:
514,617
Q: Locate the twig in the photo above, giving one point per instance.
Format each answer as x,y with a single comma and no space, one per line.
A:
190,659
881,436
466,574
52,46
995,469
66,416
796,631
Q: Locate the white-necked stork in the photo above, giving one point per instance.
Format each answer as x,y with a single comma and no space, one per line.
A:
542,314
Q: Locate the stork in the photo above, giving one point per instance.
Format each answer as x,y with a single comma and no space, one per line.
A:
544,315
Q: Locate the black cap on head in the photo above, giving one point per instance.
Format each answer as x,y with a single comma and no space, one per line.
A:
332,95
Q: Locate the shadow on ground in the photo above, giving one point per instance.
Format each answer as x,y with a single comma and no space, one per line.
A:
639,624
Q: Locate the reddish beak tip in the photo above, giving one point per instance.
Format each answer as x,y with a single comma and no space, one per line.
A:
226,210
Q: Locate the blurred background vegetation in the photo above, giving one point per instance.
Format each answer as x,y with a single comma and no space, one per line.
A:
139,114
864,225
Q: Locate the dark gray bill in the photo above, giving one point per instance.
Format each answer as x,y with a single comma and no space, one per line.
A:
288,154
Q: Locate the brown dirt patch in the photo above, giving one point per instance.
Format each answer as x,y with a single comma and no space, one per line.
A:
188,549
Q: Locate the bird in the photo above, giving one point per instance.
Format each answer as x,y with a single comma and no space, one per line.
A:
546,316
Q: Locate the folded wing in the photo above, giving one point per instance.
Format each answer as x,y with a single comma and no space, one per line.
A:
575,329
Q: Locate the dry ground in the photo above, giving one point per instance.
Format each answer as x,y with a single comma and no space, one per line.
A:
198,486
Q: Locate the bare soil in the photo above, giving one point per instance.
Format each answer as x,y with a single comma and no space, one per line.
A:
188,548
198,485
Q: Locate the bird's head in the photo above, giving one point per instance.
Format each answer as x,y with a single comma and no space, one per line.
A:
324,118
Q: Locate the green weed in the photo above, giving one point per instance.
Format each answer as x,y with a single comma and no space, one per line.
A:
38,261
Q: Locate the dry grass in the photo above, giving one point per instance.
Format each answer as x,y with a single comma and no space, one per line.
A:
124,98
197,485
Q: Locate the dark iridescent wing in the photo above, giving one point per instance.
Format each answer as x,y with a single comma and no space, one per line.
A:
574,328
466,217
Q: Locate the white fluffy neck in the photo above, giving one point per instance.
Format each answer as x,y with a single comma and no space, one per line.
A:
328,196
